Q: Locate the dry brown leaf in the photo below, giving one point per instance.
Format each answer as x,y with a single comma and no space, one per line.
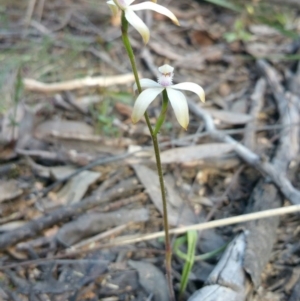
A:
195,152
123,109
201,37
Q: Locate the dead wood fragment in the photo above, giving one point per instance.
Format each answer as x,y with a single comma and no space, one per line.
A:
35,226
227,281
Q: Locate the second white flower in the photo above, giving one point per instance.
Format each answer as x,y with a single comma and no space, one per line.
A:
176,98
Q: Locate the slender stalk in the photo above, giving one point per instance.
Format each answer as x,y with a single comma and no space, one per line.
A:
154,133
165,217
130,54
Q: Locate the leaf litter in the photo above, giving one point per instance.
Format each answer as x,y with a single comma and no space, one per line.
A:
74,109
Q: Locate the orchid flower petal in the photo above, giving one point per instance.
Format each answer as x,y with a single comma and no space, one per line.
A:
138,24
180,106
128,2
113,7
191,87
123,4
155,7
147,83
143,101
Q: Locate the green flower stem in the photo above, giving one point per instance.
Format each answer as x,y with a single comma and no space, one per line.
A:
165,217
130,53
162,116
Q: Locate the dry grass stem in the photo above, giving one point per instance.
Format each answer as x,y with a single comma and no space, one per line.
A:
209,225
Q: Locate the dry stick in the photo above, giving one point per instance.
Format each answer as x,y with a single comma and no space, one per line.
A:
144,237
87,82
213,224
35,226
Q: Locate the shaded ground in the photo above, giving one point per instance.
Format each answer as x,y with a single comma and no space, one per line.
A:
78,187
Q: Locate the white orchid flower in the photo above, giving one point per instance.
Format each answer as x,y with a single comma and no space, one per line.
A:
176,98
136,21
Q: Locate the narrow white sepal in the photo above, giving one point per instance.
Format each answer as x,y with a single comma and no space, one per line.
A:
180,106
143,101
138,24
191,87
155,7
147,83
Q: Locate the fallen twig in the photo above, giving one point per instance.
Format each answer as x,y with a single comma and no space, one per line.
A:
203,226
87,82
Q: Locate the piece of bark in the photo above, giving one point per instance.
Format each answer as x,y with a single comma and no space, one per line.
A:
227,281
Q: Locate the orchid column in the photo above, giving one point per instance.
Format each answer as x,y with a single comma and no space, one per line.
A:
152,90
